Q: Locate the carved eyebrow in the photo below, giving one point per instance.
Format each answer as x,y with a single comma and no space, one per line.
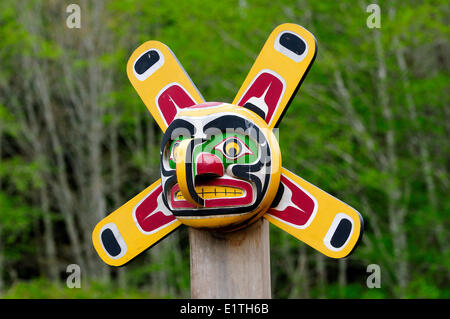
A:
236,124
177,127
230,122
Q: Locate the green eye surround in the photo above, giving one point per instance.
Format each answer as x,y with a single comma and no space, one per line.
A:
229,147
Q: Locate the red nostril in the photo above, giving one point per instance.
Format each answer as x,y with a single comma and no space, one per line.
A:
209,164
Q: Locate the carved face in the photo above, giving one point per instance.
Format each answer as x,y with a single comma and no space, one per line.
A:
220,166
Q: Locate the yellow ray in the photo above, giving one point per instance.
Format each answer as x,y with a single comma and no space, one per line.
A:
161,82
134,227
315,217
278,72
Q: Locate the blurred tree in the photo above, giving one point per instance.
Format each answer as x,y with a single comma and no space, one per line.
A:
369,125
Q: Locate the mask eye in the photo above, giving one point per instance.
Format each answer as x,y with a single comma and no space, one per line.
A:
173,149
233,148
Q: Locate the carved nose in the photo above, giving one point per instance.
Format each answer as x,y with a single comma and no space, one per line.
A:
208,164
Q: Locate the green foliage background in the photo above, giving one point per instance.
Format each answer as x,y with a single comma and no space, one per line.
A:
370,125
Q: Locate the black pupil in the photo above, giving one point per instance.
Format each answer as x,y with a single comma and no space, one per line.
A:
233,150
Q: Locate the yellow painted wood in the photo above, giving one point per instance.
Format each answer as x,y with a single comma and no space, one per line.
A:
171,71
135,240
292,72
328,208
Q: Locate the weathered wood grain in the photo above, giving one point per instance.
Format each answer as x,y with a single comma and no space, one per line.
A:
231,265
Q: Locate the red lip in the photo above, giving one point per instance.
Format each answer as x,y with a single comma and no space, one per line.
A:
218,192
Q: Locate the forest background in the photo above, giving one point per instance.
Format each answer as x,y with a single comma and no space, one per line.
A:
370,125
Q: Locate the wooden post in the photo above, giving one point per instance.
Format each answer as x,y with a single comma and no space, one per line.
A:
231,265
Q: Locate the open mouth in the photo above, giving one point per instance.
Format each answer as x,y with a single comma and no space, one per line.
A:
218,192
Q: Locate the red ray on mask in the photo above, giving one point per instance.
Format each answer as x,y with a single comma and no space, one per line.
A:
296,206
150,215
171,99
264,94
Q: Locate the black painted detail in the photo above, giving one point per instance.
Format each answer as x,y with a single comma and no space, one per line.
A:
110,242
341,233
293,43
299,83
190,178
146,61
278,196
255,109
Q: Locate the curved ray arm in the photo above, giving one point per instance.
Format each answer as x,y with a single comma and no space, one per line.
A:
315,217
278,72
134,227
161,82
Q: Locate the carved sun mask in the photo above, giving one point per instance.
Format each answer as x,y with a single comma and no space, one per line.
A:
220,166
221,163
